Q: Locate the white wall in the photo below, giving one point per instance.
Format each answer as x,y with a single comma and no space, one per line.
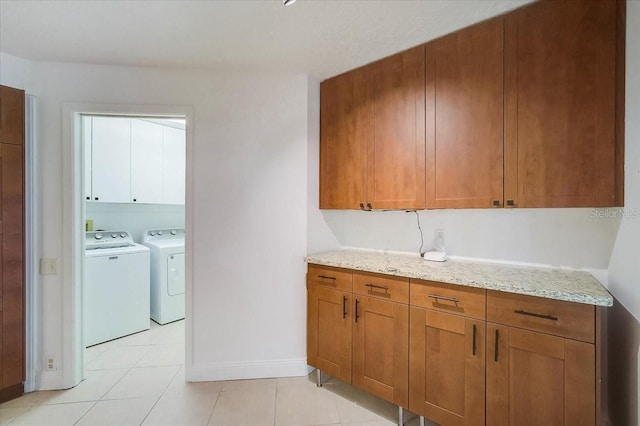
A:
135,218
249,205
624,268
576,238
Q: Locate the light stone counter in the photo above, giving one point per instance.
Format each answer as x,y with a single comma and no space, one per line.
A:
560,284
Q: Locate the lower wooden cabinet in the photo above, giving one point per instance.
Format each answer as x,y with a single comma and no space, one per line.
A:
456,355
329,331
360,337
447,364
539,379
380,342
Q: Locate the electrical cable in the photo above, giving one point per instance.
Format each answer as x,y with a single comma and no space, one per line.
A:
421,235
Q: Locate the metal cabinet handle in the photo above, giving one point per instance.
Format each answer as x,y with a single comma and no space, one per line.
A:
533,314
381,287
511,203
357,314
325,277
474,339
448,299
344,307
369,206
361,206
496,346
496,203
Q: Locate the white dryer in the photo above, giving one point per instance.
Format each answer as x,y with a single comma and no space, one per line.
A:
167,273
116,286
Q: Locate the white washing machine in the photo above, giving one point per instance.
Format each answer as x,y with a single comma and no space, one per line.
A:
116,286
167,273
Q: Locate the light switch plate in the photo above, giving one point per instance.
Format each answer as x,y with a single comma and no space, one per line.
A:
48,266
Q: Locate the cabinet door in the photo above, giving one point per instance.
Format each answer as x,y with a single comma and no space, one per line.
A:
11,116
447,368
464,109
12,266
396,158
329,331
174,165
111,159
345,129
380,348
146,162
86,146
538,379
560,104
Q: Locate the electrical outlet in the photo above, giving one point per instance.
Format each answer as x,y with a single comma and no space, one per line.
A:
48,266
440,233
50,364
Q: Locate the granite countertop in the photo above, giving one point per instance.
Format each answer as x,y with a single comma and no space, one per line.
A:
559,284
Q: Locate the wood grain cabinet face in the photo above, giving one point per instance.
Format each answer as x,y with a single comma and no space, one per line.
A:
11,116
447,353
396,158
372,138
464,117
561,104
381,336
345,127
12,290
329,331
536,379
380,348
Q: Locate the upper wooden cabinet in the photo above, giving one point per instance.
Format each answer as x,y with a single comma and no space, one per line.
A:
523,110
396,161
11,115
345,127
560,86
464,107
372,136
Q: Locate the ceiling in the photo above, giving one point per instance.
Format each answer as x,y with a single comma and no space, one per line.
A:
318,37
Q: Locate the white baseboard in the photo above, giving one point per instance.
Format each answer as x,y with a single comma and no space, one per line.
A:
50,380
247,370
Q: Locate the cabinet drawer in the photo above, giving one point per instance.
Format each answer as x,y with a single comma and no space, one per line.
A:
329,276
557,317
449,298
382,286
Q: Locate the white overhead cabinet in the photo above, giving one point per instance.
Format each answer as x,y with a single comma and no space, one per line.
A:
146,162
133,161
111,160
174,165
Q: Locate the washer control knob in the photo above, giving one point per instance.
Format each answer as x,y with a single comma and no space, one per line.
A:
173,232
113,235
152,233
159,232
98,236
123,235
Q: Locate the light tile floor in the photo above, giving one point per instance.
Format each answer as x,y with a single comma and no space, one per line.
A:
139,380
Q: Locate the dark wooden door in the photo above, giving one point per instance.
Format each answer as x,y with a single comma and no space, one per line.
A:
11,116
560,87
12,290
345,129
464,107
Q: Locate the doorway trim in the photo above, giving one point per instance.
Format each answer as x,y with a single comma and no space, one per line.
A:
73,226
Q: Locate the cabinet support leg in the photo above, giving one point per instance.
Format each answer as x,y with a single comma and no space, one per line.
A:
400,416
421,420
318,378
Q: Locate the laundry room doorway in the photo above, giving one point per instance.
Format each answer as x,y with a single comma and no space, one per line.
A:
130,267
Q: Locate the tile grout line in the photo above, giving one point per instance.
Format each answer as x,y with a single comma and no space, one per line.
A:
160,396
